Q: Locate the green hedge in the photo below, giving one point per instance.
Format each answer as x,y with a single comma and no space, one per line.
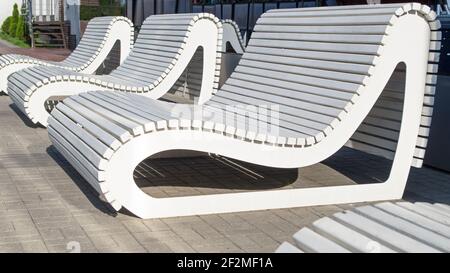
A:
20,29
6,24
14,40
14,28
14,21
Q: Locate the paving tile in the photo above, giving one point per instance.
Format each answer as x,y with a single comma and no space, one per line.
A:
104,242
68,246
11,247
135,226
178,246
157,247
156,225
46,206
51,234
37,246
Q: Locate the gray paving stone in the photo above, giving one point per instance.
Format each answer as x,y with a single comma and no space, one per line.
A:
135,226
51,234
127,243
11,247
156,225
178,245
34,247
157,247
46,205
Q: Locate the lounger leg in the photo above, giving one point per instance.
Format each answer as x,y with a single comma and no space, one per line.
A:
126,40
412,110
210,72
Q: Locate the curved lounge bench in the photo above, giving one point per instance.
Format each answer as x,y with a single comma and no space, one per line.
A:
99,38
330,77
232,36
381,228
167,46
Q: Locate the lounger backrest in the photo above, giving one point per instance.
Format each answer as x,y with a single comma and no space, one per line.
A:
190,83
158,46
92,41
311,62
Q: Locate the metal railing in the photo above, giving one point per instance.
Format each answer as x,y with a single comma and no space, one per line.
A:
246,14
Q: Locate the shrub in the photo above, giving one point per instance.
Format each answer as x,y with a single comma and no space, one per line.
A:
14,20
5,25
20,29
22,26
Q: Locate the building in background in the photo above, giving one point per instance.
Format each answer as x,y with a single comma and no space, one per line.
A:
69,13
60,23
243,12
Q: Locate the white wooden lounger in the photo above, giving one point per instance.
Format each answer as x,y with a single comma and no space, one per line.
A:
381,228
327,71
99,38
166,47
232,37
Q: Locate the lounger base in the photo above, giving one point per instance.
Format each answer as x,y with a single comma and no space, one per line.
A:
105,144
120,190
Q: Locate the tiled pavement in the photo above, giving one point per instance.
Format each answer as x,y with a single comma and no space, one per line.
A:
50,54
45,206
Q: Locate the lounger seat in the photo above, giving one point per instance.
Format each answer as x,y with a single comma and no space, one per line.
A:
311,81
168,47
381,228
99,38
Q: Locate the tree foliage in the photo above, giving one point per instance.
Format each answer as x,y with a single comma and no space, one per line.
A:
14,21
6,24
20,29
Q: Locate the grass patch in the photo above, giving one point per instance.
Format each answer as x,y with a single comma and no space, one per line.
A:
14,40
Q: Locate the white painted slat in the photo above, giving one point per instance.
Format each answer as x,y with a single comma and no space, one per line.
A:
443,206
108,126
383,227
427,212
313,242
415,218
386,235
79,159
330,20
428,237
90,127
445,213
348,236
288,248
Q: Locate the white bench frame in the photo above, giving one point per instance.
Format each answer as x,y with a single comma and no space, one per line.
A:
120,190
